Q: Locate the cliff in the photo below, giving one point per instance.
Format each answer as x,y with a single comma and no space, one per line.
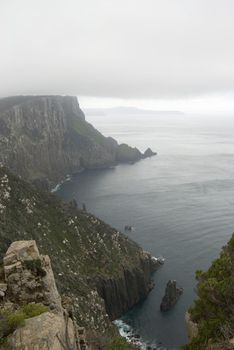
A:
210,320
44,138
98,268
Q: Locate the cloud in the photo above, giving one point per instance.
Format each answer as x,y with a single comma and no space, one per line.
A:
117,48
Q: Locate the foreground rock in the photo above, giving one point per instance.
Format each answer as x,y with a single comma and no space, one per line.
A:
29,276
47,331
44,138
29,279
172,294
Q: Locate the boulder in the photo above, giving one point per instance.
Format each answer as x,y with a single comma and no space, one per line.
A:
29,278
44,332
172,294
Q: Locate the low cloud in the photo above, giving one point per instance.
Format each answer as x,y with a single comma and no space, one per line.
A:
126,49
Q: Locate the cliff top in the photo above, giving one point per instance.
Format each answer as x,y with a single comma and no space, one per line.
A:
11,101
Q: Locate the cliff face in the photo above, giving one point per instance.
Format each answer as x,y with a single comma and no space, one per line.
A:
100,269
44,138
127,289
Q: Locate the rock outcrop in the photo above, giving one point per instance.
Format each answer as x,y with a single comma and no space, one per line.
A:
192,327
172,294
44,138
48,331
30,280
29,276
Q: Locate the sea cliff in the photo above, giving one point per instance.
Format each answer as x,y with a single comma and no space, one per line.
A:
44,138
102,271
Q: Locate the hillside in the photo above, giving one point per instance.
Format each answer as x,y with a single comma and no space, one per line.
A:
44,138
99,268
211,318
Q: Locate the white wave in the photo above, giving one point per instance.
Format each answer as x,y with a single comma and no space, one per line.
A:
134,338
57,187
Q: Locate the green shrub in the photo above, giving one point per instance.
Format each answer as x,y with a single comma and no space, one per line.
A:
35,266
32,310
119,343
213,311
11,320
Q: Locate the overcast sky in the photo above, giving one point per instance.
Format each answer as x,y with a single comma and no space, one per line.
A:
118,50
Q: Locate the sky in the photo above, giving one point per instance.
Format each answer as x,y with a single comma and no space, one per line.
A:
163,54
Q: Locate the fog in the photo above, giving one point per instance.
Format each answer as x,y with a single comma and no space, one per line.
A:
125,49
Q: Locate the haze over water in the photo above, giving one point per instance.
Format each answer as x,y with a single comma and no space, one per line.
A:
181,203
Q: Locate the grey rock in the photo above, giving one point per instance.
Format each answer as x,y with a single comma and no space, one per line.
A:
46,331
172,294
3,287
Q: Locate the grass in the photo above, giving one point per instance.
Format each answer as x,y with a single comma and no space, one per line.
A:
11,320
119,343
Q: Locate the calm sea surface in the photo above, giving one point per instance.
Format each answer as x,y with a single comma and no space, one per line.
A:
181,203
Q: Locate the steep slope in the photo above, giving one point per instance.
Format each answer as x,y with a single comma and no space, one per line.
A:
211,319
98,267
44,138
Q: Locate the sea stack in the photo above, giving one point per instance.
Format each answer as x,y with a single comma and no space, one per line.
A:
172,294
149,153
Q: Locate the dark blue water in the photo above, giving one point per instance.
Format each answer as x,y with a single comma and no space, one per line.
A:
181,203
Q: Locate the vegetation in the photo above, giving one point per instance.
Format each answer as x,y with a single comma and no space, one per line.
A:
213,311
33,310
35,266
81,247
119,343
126,153
84,129
11,320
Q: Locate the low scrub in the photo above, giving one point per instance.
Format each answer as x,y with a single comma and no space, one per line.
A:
11,320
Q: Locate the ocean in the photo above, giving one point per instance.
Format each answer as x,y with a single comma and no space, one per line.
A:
180,202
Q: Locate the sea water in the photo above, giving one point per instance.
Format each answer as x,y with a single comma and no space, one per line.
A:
180,202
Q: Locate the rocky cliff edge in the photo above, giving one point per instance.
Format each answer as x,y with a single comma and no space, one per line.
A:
28,285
